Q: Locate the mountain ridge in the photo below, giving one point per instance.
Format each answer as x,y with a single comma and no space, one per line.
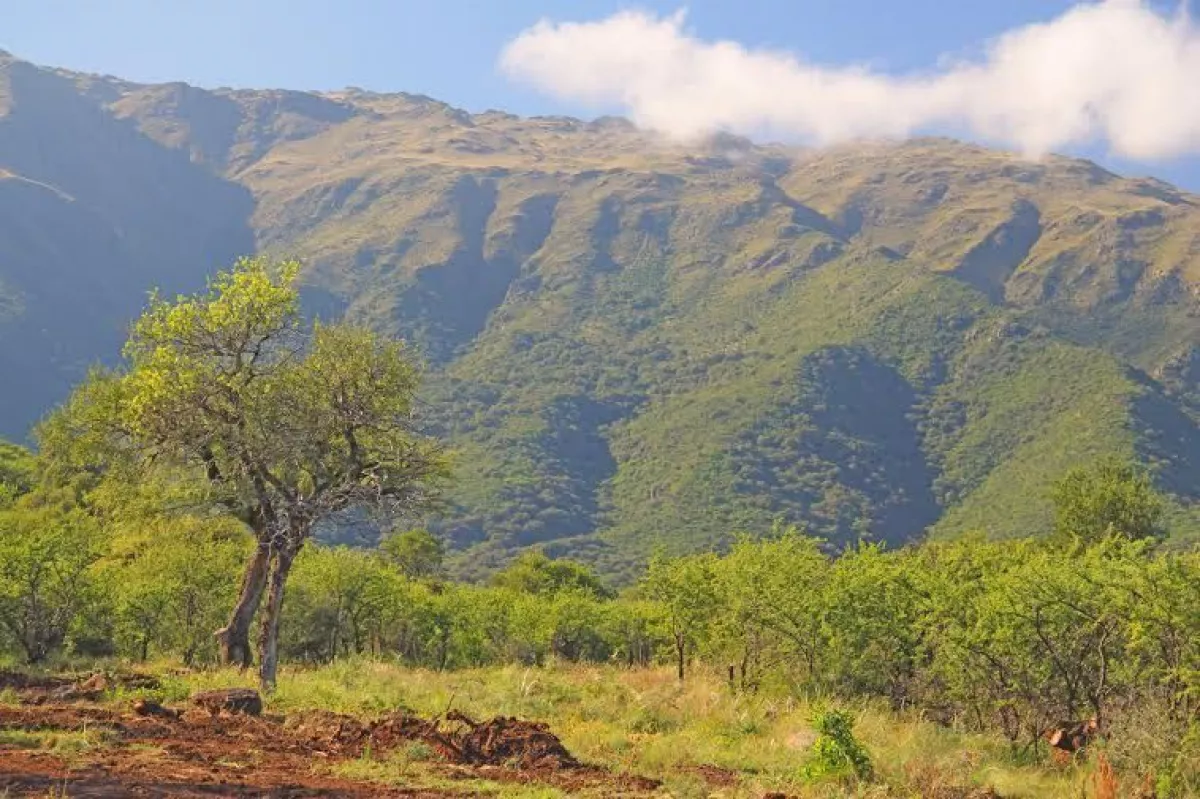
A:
634,342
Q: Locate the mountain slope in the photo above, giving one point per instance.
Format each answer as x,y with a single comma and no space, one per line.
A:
92,216
634,343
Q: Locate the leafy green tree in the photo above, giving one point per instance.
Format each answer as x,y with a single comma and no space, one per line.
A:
282,426
632,624
771,592
687,591
1109,498
1029,636
479,626
417,553
528,626
871,608
976,664
46,552
578,629
418,623
170,575
17,465
342,597
1162,605
534,573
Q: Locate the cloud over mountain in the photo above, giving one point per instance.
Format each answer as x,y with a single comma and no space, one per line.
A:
1118,72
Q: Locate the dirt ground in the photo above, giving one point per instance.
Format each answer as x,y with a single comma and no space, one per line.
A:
198,754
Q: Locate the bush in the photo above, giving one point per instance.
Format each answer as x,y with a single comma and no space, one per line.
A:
837,753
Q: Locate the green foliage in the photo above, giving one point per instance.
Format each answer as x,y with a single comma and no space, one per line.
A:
634,346
16,471
278,428
535,573
225,384
870,619
771,593
46,552
1036,637
170,577
342,602
686,589
417,553
1110,498
836,752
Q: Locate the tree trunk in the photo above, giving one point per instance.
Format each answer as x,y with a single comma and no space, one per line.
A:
681,654
268,637
234,638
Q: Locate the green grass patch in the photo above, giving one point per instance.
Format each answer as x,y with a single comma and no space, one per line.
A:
63,742
645,722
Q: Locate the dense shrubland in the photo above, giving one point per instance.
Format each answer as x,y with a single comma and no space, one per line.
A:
1008,637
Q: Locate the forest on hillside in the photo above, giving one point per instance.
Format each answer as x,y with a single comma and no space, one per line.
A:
631,343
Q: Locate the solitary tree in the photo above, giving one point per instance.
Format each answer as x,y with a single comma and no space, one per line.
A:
278,424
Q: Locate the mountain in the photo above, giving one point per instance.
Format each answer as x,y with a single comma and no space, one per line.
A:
633,343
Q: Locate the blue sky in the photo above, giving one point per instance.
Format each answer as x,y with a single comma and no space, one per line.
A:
449,49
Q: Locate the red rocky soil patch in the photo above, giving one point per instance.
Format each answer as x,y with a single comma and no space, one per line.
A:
157,751
501,749
714,776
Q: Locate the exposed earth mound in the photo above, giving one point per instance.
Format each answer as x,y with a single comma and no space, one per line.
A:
154,750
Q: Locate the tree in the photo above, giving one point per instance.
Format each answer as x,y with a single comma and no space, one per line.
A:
344,595
46,550
871,607
686,588
169,574
417,553
534,573
1109,498
771,594
17,466
281,426
1027,636
1162,606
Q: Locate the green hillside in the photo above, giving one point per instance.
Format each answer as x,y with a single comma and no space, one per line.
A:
633,343
93,214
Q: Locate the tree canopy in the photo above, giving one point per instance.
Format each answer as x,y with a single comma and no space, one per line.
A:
277,423
1108,498
417,553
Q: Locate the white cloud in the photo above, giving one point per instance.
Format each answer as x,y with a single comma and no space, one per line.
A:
1115,71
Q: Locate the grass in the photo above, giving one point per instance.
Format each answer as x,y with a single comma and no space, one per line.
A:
644,722
61,742
399,769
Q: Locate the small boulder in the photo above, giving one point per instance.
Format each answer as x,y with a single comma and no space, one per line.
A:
147,707
244,701
97,683
91,689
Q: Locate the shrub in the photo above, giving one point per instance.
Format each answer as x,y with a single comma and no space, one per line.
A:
836,753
